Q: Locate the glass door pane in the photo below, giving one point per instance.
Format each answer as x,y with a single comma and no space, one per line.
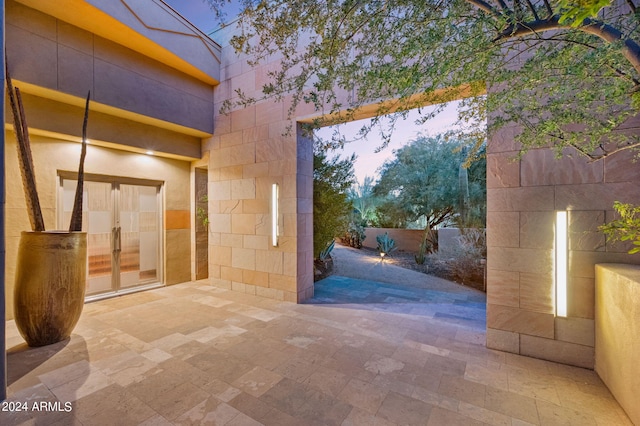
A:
139,230
97,221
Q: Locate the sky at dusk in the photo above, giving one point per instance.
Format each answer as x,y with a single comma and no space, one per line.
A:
368,161
198,12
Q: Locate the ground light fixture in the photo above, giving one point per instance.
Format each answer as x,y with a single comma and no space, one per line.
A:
274,214
561,265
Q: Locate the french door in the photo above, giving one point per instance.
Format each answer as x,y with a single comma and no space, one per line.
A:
123,224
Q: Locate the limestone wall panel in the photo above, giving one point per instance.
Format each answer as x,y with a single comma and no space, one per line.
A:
220,222
256,206
75,71
520,259
520,321
60,57
537,229
244,224
25,42
597,196
243,188
503,229
220,190
506,341
256,134
256,278
535,198
558,351
621,167
243,118
576,330
505,288
75,38
541,167
537,291
230,173
243,258
502,140
269,261
503,170
583,230
231,240
231,139
255,170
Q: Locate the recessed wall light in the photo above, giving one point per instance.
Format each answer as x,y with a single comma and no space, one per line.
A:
149,153
274,214
562,251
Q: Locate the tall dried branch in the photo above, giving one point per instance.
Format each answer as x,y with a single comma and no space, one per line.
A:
27,169
76,215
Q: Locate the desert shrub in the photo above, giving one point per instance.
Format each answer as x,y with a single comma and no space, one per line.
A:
332,177
466,264
354,236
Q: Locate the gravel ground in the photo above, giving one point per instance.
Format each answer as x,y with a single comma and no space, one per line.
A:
361,263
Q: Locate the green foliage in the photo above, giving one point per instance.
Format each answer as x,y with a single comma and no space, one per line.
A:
386,244
324,253
627,228
364,201
567,86
575,12
422,181
355,236
331,207
201,212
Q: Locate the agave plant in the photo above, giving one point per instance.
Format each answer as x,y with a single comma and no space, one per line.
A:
26,162
386,244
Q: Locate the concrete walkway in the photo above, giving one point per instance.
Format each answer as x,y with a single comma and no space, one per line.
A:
360,353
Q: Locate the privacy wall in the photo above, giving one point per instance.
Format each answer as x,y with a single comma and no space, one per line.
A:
523,198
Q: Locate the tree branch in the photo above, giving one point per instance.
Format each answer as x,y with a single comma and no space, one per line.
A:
483,5
606,32
632,6
549,9
533,10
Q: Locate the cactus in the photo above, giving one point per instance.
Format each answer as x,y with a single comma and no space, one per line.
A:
421,256
385,244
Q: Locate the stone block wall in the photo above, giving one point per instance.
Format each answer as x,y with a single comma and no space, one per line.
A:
406,239
522,198
252,148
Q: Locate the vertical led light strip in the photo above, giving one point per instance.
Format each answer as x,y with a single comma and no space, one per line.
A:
561,263
274,215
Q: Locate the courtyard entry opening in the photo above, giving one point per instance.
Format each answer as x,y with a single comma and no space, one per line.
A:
419,192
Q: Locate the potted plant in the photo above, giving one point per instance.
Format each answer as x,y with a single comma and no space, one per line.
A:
51,268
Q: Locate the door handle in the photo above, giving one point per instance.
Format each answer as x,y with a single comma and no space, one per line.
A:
116,245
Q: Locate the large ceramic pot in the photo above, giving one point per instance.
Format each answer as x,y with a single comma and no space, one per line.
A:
50,285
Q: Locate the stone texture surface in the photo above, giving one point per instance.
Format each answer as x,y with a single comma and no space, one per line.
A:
358,353
522,198
617,333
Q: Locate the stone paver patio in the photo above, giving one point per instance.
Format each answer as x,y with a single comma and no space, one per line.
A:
360,353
